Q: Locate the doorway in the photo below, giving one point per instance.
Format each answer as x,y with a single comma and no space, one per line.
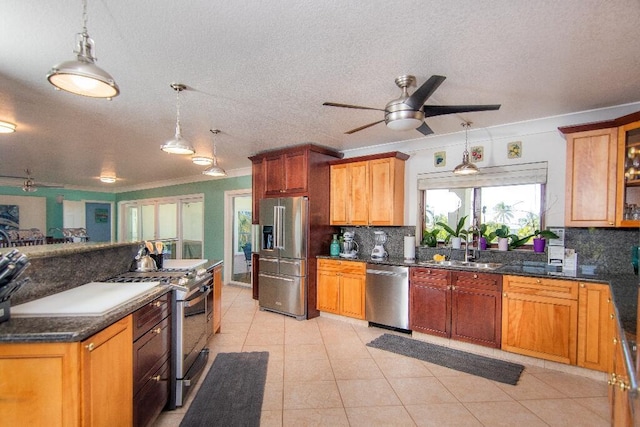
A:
98,221
238,206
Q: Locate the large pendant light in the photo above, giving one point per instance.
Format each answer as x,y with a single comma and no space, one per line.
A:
177,144
83,76
466,167
214,170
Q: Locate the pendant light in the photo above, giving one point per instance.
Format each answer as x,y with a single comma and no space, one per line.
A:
83,76
177,144
214,170
7,127
466,167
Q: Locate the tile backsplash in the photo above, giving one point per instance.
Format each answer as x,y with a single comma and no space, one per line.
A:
608,249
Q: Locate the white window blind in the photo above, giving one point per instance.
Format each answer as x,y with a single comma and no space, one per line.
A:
526,173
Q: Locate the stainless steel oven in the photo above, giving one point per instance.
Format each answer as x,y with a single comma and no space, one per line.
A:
192,324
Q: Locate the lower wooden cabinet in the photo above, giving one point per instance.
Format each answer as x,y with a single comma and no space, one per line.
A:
217,298
596,327
461,305
151,355
540,317
341,287
619,398
69,384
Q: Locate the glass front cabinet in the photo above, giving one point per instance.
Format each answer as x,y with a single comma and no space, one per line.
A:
629,174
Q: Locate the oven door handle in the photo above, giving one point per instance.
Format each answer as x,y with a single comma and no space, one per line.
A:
192,302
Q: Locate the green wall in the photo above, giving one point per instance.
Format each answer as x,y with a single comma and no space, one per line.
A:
213,191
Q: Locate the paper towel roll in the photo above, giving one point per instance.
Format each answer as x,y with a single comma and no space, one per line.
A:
409,248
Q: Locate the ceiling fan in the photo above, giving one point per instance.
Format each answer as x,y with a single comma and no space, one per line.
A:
29,185
408,111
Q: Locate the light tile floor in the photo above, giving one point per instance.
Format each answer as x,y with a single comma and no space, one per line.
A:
321,373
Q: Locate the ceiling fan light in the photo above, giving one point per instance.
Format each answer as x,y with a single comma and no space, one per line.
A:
107,179
202,160
404,124
7,127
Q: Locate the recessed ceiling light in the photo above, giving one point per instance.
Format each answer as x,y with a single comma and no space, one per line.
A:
108,179
6,127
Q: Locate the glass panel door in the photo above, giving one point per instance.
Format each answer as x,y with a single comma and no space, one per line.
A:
148,222
192,229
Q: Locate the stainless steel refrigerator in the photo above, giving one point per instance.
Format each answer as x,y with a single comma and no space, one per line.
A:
282,271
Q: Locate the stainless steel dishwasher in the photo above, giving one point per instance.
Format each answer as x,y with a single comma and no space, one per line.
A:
387,296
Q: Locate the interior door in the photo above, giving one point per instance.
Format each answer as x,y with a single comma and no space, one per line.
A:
98,221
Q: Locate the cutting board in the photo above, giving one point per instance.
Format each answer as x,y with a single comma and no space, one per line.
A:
183,264
92,299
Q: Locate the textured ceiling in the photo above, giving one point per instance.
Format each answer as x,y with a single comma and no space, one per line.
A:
259,71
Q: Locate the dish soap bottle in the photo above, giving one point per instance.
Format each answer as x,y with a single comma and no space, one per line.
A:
334,248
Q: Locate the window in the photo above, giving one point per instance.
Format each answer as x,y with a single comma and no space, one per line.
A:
176,221
508,195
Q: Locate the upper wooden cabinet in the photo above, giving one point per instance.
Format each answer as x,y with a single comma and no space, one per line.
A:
603,171
301,170
368,190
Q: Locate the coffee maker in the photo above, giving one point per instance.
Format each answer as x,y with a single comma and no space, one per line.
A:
379,239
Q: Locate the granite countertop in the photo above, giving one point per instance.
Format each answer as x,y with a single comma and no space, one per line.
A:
57,249
71,328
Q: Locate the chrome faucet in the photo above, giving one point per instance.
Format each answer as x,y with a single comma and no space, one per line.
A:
471,253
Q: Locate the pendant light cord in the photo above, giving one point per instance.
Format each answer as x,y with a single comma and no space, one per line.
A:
466,136
178,130
84,16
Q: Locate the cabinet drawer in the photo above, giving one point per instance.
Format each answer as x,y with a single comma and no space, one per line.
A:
353,267
475,280
541,287
152,397
430,275
149,315
150,352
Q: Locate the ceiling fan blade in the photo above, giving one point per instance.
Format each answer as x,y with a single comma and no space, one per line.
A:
333,104
12,177
418,98
439,110
363,127
424,129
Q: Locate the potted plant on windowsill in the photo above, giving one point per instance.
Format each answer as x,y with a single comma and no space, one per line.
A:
430,238
539,239
483,239
455,236
502,233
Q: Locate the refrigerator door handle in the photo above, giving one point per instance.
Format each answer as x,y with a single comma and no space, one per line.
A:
279,216
286,279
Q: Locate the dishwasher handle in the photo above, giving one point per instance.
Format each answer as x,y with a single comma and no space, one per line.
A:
388,273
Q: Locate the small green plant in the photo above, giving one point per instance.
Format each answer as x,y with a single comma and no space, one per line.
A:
545,234
430,238
502,231
458,232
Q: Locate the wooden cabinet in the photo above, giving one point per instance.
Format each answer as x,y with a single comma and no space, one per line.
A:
341,287
476,308
257,188
70,384
151,354
217,298
286,173
622,413
461,305
596,326
603,173
350,193
539,317
368,190
430,301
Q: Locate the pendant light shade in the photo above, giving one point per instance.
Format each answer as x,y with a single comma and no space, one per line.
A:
83,76
466,167
177,144
214,170
7,127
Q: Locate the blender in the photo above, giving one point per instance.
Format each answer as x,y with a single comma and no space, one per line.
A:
379,239
349,247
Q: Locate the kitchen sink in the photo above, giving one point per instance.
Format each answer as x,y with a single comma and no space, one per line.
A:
463,264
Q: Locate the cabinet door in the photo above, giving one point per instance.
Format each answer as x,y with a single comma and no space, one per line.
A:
295,172
591,178
359,193
340,194
539,326
107,370
217,299
595,327
352,291
328,289
628,174
430,302
386,192
621,412
274,175
476,311
257,188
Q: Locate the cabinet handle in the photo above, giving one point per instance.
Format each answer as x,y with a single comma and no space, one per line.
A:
612,316
157,378
623,386
611,223
453,288
538,281
615,341
90,346
156,304
582,285
157,331
612,380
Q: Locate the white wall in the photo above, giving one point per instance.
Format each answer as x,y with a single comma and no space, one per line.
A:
32,211
541,141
